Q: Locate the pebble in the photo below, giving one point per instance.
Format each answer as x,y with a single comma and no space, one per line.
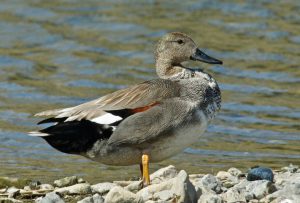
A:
291,168
51,197
135,186
67,181
235,172
210,198
228,180
78,189
96,198
211,182
13,192
260,173
168,185
163,174
119,195
102,188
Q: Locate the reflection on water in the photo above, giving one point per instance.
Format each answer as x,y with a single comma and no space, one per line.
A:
57,54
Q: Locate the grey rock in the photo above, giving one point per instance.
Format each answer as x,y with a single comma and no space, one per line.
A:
80,180
123,183
9,200
281,179
235,172
148,192
78,189
135,186
210,198
96,198
102,188
46,187
291,168
13,192
163,174
290,191
228,180
120,195
67,181
183,188
211,182
234,195
51,197
34,185
259,189
164,195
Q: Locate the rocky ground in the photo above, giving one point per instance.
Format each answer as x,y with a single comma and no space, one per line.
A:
167,185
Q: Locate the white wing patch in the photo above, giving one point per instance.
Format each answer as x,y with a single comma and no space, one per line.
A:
107,118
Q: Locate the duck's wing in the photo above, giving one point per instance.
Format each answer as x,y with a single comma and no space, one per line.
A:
154,123
137,98
130,116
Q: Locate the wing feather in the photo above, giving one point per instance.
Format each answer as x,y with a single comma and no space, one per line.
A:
133,97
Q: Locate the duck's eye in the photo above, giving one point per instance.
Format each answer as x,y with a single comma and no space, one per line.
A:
180,41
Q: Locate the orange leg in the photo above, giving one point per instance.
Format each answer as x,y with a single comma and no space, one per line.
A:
145,164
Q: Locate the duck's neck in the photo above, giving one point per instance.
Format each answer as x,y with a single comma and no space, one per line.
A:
166,69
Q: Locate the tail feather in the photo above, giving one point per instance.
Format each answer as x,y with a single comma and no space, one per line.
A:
75,137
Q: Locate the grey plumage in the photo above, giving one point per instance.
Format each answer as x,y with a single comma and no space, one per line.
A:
158,117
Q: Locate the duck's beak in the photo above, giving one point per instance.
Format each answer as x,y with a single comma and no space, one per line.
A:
201,56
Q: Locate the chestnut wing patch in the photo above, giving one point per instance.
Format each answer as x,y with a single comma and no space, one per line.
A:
124,113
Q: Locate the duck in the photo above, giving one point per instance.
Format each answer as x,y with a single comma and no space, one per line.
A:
147,122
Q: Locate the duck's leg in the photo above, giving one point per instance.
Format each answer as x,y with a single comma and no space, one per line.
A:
145,168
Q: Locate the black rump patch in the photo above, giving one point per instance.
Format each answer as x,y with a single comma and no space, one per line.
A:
75,137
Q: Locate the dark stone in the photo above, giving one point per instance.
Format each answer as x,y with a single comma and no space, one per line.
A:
260,173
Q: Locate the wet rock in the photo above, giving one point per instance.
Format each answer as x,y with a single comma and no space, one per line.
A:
120,195
135,186
78,189
96,198
9,200
228,180
210,198
291,168
235,172
67,181
183,189
260,173
234,195
163,174
102,188
51,197
164,195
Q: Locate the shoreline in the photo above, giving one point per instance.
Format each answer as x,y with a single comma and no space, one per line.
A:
167,185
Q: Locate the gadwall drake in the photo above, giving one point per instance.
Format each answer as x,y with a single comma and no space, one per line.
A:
153,120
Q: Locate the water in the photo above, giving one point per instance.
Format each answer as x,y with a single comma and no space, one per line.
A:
58,54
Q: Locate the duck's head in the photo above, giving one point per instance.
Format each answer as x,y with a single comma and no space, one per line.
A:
175,48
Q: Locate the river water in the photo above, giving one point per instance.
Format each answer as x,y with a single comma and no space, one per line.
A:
56,54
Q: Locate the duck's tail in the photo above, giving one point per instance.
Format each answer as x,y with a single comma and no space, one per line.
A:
74,137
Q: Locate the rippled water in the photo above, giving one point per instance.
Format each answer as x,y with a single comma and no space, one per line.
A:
57,54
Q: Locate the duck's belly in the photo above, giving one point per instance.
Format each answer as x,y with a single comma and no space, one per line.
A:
163,147
175,143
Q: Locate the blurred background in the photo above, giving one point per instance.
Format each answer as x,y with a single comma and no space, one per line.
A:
56,54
